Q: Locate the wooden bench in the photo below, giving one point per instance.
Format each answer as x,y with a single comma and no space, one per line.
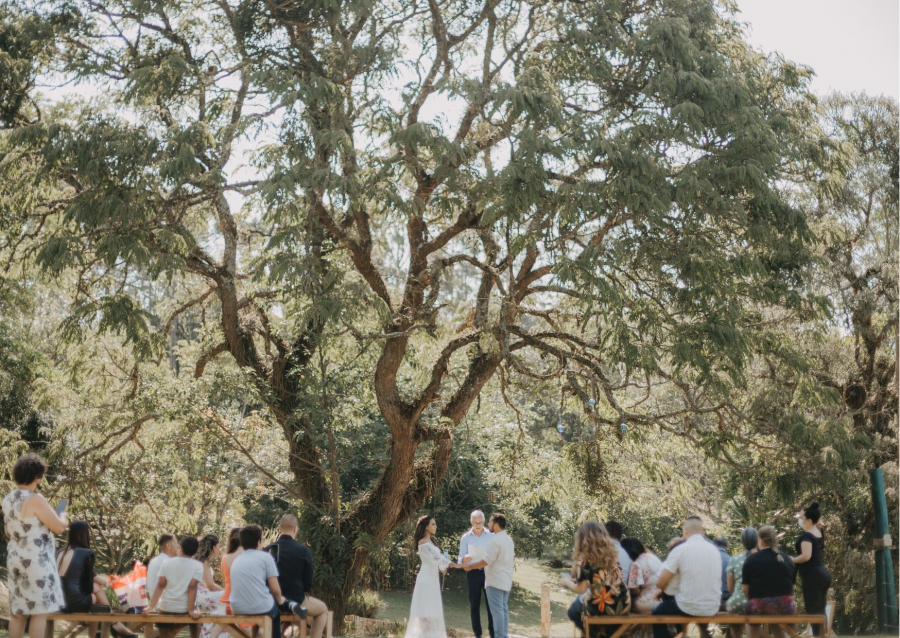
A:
231,624
785,622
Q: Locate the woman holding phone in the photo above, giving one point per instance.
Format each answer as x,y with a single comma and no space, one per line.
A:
34,585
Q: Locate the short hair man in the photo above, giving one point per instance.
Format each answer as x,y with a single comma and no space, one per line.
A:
722,545
471,549
690,579
176,588
498,561
168,548
295,573
254,582
614,529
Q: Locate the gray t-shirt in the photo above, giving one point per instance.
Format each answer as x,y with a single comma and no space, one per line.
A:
249,582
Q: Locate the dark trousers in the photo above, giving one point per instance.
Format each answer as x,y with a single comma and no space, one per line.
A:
815,584
666,607
475,584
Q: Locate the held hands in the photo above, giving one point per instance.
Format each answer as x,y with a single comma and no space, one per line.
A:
467,559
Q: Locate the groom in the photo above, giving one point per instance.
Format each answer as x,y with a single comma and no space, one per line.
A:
498,573
472,546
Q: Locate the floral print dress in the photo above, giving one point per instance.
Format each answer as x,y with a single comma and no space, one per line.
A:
606,595
34,584
737,600
643,576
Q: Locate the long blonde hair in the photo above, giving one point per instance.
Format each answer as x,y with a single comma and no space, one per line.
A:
594,547
769,536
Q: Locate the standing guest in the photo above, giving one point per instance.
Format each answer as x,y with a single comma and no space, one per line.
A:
209,591
254,582
596,578
233,550
814,577
737,600
168,548
34,585
690,580
498,561
476,539
722,545
614,528
81,586
768,581
645,568
176,588
295,573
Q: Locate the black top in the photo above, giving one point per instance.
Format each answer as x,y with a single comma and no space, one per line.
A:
767,576
295,568
818,547
78,581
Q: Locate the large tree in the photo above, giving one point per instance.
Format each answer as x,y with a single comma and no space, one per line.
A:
312,173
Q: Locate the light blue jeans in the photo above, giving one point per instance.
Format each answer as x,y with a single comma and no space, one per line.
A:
498,601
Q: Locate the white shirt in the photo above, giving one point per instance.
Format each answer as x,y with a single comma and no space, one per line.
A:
153,568
499,556
471,539
624,559
178,572
697,576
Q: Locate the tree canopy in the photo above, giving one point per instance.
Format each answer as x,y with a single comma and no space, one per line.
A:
367,213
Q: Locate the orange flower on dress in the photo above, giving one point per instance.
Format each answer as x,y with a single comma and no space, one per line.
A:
602,598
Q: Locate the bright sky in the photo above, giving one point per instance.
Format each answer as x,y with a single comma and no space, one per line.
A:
852,45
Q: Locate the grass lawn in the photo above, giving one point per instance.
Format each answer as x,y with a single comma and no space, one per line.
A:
524,602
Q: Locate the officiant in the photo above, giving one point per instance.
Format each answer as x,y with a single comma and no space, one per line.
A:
471,550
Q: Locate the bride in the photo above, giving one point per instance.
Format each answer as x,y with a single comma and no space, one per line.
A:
426,614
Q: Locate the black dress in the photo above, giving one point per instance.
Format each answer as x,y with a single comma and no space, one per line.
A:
78,581
814,578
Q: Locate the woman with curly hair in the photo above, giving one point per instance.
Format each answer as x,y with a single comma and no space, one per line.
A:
597,579
35,589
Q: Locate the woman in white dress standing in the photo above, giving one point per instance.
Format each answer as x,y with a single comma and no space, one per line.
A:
426,613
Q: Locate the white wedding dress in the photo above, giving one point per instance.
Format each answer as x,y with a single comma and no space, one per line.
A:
426,613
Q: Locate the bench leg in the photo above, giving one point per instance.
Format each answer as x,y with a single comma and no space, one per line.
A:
236,631
621,630
790,630
104,630
329,626
149,631
267,627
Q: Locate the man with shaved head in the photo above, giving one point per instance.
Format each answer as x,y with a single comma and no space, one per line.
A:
690,582
295,573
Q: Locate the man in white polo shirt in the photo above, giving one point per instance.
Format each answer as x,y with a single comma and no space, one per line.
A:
690,582
498,560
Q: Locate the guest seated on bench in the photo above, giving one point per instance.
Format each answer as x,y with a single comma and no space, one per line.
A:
737,600
254,582
176,589
598,579
768,581
690,581
82,588
295,573
168,548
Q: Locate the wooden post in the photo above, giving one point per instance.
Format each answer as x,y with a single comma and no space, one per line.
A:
329,625
545,611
